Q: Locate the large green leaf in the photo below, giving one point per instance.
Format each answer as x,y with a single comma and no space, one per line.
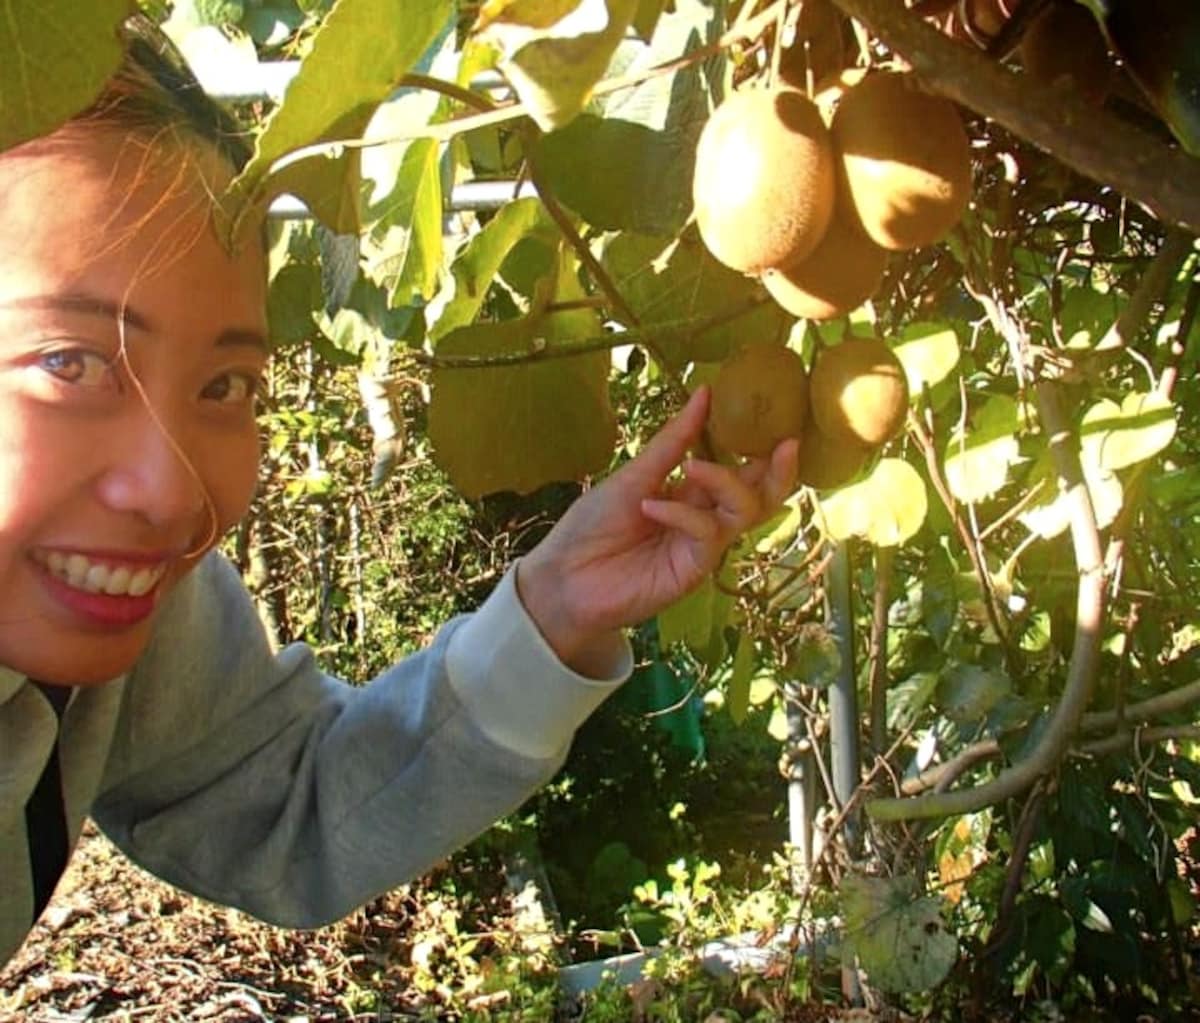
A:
886,508
978,459
968,692
737,694
357,57
1117,436
900,938
481,260
57,56
554,67
672,281
521,426
617,174
406,243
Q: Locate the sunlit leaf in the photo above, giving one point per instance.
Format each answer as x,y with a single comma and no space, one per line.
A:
518,427
554,66
908,699
477,265
978,459
899,936
407,240
887,508
1117,436
928,352
57,56
1050,515
357,56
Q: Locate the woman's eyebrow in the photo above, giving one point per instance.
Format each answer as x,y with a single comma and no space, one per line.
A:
103,308
82,302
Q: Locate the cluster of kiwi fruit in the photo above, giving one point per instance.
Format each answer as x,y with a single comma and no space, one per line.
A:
853,402
810,194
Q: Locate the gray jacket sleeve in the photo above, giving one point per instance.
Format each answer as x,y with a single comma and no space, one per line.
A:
251,778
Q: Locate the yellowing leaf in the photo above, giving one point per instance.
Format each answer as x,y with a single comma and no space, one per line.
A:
978,460
1050,515
738,700
887,508
1117,436
57,56
928,352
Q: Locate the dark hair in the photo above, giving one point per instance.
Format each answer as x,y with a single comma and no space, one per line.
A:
154,89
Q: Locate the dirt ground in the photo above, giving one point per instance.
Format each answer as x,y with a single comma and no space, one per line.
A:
116,944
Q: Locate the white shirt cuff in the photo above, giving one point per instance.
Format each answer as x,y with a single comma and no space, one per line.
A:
513,684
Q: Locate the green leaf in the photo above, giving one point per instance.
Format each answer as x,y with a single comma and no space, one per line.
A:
887,508
689,620
480,261
618,175
939,596
899,937
1050,515
928,352
1117,436
978,460
668,280
737,698
968,692
357,56
294,299
908,700
554,67
406,241
57,56
521,426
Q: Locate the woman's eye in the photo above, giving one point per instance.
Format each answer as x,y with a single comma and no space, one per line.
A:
77,366
232,388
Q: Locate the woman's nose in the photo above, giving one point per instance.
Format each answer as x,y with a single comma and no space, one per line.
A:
153,475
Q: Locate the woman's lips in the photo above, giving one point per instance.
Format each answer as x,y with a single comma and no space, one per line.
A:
106,591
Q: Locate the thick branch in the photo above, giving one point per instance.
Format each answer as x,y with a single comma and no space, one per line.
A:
1097,144
1146,710
1151,288
1085,652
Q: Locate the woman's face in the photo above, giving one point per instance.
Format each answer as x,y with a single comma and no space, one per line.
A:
131,345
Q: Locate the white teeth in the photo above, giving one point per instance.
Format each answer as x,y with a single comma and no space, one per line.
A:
118,581
97,577
143,581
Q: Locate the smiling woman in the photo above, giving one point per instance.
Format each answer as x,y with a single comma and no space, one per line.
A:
136,682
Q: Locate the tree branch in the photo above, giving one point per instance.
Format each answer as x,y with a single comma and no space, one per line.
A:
1092,141
1085,652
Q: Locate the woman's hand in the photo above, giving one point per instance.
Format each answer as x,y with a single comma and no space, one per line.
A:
635,544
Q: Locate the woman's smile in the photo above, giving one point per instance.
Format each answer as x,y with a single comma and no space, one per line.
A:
108,591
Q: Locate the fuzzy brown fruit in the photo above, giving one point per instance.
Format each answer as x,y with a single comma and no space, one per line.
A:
826,464
905,160
843,271
859,392
1065,43
759,397
764,180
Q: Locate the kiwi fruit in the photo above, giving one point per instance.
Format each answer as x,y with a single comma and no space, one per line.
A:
1065,44
905,161
859,392
764,179
826,464
843,271
759,397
